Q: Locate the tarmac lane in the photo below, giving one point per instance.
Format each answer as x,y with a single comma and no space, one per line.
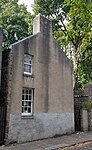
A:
80,146
75,141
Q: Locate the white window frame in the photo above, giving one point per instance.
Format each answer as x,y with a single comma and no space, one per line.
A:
28,64
27,98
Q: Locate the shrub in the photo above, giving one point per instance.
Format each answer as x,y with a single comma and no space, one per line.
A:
87,104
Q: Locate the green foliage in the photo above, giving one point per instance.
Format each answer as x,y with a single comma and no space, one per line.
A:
84,69
72,24
79,22
56,10
14,20
87,104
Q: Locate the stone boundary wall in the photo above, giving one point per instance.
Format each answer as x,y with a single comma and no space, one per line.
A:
90,119
81,96
88,90
86,119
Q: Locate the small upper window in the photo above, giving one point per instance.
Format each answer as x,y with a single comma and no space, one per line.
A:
27,64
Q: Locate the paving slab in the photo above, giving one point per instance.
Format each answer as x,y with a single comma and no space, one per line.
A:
52,143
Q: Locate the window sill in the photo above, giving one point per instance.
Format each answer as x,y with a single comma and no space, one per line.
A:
27,116
28,75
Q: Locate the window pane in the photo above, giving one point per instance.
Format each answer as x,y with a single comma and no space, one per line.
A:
25,109
27,91
29,109
27,58
30,91
29,103
30,97
30,69
26,97
22,97
27,68
25,103
24,68
30,62
22,109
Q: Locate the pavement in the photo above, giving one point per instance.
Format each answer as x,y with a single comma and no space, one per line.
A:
76,141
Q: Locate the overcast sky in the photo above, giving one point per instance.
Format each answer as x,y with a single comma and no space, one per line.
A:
28,3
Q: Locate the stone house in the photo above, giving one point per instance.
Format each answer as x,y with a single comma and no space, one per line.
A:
37,87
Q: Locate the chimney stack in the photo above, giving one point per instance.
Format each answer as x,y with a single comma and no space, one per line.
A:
42,24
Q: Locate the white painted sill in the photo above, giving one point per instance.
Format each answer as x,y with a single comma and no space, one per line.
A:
27,73
27,116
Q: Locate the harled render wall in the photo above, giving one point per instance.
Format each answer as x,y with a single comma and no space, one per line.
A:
53,90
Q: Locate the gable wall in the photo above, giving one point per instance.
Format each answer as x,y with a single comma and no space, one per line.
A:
60,80
52,83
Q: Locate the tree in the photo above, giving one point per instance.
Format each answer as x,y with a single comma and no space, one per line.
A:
79,33
72,20
84,71
14,20
56,10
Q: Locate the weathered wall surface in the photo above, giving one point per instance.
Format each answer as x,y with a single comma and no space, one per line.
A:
60,80
43,125
53,89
